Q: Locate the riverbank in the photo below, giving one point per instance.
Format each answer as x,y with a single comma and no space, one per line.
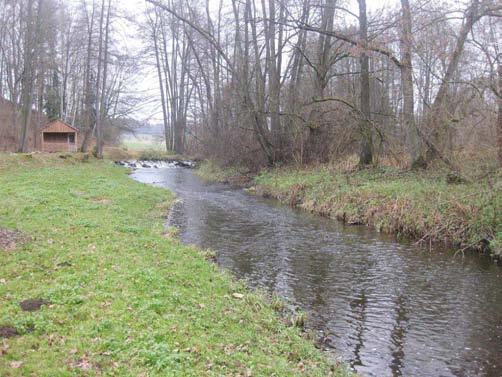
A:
111,294
423,206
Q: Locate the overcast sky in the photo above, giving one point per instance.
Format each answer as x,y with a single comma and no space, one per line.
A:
146,82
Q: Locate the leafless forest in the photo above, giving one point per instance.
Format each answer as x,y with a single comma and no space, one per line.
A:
61,60
267,82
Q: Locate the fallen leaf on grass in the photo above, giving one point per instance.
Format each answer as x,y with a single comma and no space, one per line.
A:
16,364
4,348
83,364
301,366
10,239
237,295
229,349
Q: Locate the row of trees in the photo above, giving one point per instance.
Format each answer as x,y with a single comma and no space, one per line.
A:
63,60
262,82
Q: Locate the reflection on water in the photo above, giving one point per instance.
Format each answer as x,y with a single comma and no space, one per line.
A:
388,309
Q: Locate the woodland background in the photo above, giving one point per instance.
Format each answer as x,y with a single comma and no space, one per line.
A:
259,83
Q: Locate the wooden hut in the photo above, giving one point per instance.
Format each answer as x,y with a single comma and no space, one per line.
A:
58,136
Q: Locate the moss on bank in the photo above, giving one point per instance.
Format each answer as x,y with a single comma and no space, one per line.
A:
418,205
124,299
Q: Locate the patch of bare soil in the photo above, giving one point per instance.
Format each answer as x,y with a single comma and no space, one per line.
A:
8,332
32,305
84,364
9,239
102,200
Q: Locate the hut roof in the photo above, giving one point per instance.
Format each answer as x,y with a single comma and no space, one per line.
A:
58,126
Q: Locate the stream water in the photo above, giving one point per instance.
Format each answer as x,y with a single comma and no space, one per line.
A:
387,308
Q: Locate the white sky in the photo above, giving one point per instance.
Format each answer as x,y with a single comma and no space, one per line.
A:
147,82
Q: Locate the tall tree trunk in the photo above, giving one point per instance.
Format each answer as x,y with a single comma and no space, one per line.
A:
407,83
27,77
315,142
295,79
87,97
438,116
499,121
161,87
272,70
102,110
98,80
366,151
258,108
214,103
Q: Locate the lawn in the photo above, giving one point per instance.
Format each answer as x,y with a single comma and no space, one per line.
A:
121,297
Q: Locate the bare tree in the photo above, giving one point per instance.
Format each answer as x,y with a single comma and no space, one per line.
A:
27,75
265,82
366,152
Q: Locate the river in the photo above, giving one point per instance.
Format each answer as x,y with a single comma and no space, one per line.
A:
387,308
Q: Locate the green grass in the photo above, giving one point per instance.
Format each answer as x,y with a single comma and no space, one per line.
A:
127,300
410,204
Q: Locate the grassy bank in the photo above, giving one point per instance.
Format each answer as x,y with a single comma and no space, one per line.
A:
416,205
121,298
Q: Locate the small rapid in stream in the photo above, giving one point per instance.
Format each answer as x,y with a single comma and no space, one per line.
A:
387,308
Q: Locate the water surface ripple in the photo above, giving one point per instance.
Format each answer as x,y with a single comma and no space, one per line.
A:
389,309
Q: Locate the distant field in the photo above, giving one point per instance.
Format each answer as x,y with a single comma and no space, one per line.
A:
139,144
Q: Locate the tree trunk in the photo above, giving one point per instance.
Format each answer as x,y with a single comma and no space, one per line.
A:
161,87
437,115
27,78
366,151
87,97
273,71
407,84
499,121
315,143
258,108
98,81
102,110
